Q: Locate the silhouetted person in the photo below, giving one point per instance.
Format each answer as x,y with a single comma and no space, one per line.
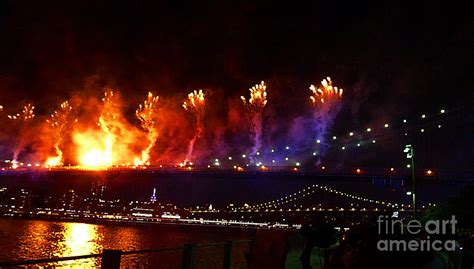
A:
307,232
322,235
357,250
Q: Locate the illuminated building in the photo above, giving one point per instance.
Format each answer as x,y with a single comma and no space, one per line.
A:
153,196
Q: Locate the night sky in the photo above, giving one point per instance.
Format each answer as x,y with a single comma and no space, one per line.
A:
392,60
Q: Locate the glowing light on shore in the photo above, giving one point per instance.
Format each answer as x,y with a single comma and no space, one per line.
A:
15,164
95,158
53,161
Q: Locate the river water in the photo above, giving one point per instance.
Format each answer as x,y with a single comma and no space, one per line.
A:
34,239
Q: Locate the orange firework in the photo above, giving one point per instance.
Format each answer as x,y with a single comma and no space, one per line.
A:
94,147
26,114
113,143
195,101
255,106
195,104
59,118
22,118
258,97
326,100
59,121
147,114
110,113
326,93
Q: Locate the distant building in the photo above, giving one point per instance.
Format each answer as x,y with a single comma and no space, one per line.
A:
70,200
153,196
97,190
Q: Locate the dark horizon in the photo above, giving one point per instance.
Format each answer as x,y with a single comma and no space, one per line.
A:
223,188
380,52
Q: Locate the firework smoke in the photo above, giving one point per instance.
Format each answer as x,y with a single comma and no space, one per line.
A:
255,106
115,141
195,104
59,122
147,114
102,136
110,113
326,101
21,119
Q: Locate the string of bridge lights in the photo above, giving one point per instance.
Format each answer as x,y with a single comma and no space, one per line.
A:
333,140
369,130
307,191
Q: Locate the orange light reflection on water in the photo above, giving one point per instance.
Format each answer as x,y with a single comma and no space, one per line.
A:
43,239
79,239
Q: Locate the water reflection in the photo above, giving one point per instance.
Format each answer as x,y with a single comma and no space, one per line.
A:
37,239
129,238
79,239
36,234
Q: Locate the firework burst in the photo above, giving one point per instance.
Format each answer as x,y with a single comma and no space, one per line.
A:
110,113
195,104
22,119
326,100
26,114
112,141
255,106
326,93
59,122
147,114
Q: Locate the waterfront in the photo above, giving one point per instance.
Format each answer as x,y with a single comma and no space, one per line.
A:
35,239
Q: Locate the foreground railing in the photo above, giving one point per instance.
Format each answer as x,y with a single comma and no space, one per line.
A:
112,259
